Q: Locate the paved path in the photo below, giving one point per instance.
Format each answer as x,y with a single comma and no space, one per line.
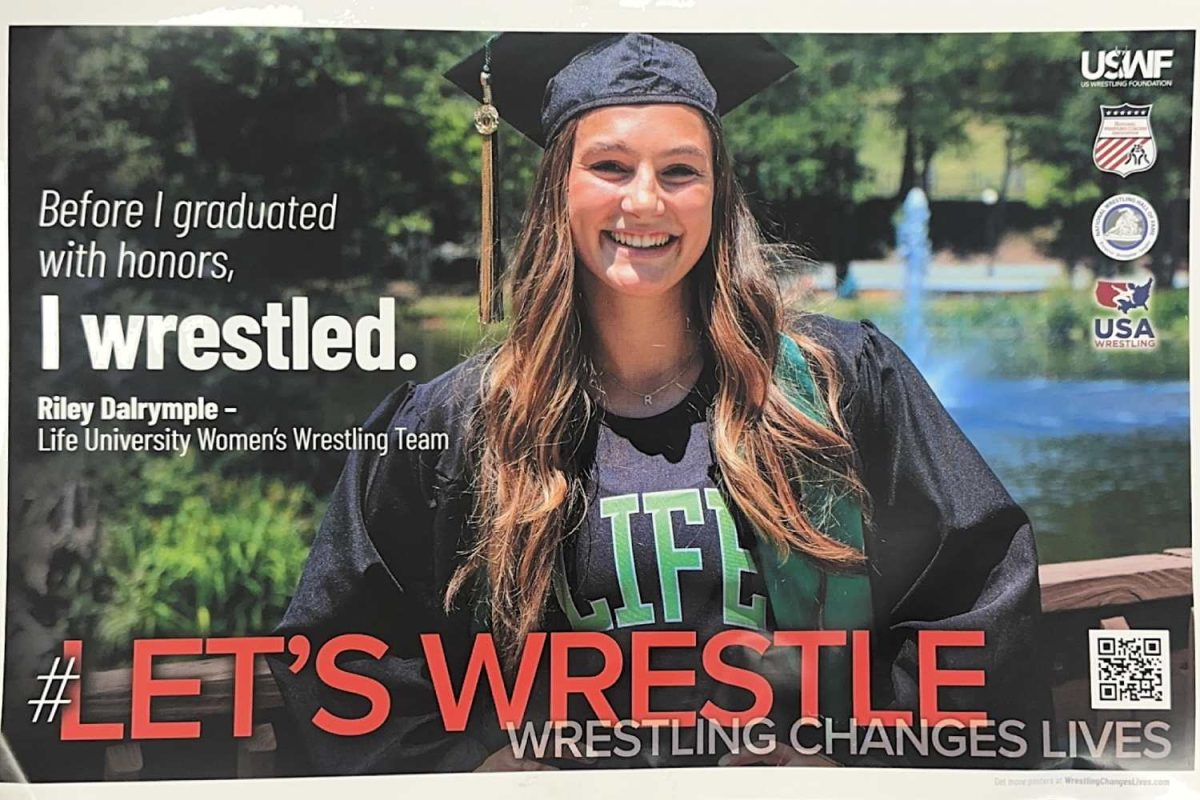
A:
888,276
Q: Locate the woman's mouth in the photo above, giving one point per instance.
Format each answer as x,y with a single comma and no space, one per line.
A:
641,241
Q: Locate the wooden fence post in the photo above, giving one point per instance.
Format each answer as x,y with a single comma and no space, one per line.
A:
123,762
256,754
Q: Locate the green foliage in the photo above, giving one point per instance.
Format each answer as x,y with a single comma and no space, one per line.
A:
1063,321
802,141
211,112
187,551
930,81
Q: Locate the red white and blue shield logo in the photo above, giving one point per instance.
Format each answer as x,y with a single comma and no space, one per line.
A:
1124,142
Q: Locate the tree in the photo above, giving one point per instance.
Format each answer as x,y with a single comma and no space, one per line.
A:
206,113
1021,85
796,144
932,80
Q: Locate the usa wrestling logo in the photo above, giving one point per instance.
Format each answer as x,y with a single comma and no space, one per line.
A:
1124,331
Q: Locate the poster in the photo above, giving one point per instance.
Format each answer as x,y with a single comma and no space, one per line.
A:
227,245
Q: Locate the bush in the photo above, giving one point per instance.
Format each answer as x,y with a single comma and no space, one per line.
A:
187,551
1064,321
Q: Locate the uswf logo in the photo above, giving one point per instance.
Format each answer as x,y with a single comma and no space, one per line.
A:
1124,141
1124,67
1123,331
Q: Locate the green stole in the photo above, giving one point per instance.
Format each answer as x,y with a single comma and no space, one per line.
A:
804,596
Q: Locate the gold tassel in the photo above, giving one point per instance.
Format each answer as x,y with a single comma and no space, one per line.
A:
491,267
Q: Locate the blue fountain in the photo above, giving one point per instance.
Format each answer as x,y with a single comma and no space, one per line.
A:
1102,467
912,243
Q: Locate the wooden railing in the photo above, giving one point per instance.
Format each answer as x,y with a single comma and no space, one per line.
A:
106,696
1142,591
1069,588
1116,581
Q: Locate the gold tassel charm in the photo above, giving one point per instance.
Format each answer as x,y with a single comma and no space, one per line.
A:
487,122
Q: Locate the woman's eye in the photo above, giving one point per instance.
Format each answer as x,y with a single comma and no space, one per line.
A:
610,167
680,171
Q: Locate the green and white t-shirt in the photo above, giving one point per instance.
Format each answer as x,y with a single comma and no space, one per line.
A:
661,552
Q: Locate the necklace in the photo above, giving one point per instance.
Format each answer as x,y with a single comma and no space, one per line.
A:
648,397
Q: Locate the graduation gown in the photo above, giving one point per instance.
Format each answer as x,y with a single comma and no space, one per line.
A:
947,549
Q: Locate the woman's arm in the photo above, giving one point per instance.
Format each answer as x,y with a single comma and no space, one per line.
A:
953,550
375,568
948,547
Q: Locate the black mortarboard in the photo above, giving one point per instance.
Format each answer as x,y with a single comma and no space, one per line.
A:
539,81
533,93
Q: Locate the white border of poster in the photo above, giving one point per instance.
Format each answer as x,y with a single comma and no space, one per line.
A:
861,16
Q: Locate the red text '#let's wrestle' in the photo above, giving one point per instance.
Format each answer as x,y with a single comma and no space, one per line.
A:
511,698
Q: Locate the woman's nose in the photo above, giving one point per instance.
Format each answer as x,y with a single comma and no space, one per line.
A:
643,197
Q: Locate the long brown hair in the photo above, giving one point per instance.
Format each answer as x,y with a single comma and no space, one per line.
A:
535,408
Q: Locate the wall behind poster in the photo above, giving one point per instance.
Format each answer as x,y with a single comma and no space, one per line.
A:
108,547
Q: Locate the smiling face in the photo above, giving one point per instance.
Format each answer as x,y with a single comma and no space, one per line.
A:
640,197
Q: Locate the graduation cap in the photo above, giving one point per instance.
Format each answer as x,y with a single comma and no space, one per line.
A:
538,81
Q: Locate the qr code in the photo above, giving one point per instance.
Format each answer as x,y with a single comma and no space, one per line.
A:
1130,669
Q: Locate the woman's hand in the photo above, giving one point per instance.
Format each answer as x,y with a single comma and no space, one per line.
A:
503,760
782,756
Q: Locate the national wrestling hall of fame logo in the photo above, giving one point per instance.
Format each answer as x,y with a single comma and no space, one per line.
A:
1125,227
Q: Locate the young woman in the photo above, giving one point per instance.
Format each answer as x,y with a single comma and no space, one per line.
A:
655,449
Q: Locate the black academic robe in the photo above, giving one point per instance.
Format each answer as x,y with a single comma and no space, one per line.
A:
947,548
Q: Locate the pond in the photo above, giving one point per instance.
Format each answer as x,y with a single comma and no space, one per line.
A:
1102,467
